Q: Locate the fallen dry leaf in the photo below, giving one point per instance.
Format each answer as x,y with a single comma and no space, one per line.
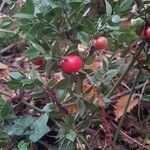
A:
147,141
90,94
3,66
82,48
121,103
72,108
58,76
4,70
95,65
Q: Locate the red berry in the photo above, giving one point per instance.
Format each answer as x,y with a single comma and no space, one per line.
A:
100,43
71,63
146,33
38,62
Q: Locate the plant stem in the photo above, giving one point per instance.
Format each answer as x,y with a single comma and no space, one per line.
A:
5,93
125,72
126,107
86,117
23,102
140,99
2,6
7,48
32,106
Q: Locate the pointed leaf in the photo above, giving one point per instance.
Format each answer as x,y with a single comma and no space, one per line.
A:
38,47
40,128
125,5
71,135
22,145
108,8
5,111
28,7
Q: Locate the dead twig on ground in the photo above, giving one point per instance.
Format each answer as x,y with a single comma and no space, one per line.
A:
130,138
2,6
114,97
8,48
107,128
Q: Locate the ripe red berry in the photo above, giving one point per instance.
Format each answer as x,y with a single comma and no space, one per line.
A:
100,43
38,62
146,33
71,63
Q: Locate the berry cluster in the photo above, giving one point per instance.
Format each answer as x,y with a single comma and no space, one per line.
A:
73,63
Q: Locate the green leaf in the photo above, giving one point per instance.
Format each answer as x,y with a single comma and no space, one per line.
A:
40,128
90,59
107,100
27,84
14,84
38,47
5,111
108,8
62,85
31,52
105,63
51,66
55,49
51,83
61,94
147,10
48,108
81,107
89,27
22,145
7,1
109,75
23,16
71,135
16,75
82,138
5,24
146,98
126,5
28,7
3,136
20,125
37,94
83,37
67,145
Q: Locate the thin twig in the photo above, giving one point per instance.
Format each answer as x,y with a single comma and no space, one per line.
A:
7,31
114,97
130,138
7,48
127,70
2,6
5,93
52,96
23,102
6,16
139,4
32,106
107,127
126,107
141,96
